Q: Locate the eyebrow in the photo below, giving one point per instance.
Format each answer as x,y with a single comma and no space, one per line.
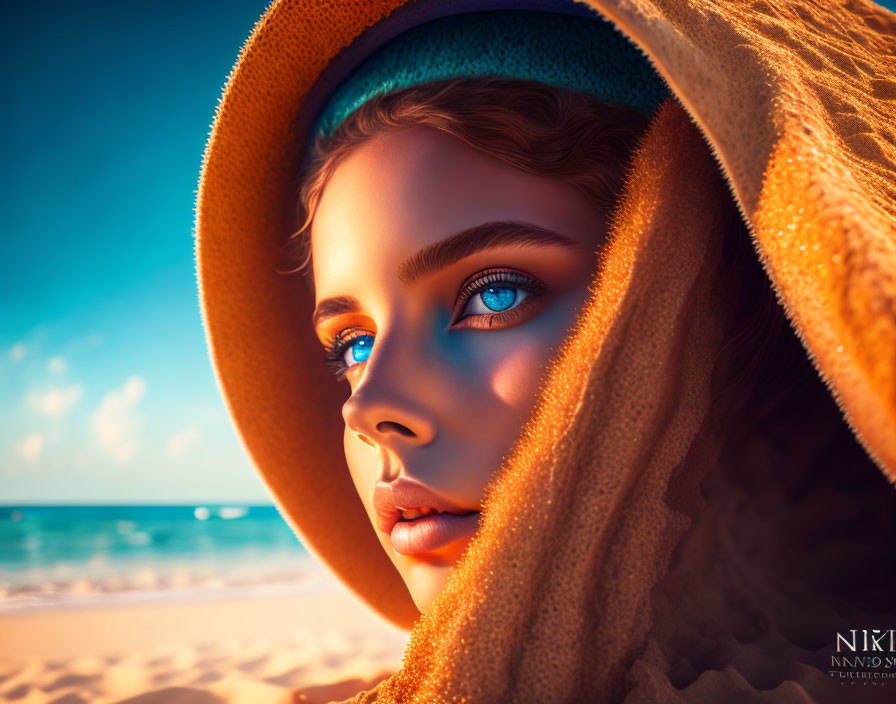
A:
330,307
437,256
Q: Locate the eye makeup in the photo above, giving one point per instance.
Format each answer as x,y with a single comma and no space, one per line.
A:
509,296
341,344
494,282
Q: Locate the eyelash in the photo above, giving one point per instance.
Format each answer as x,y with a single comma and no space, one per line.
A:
476,284
482,280
336,349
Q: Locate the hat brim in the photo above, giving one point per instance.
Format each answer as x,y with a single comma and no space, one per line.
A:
258,320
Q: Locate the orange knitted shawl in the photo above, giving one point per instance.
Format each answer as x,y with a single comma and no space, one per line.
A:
595,576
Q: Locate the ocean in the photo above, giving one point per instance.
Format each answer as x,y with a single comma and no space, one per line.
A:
54,555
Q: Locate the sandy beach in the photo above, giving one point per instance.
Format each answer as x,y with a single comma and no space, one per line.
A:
310,645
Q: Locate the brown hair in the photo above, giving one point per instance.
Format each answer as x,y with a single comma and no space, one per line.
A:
538,128
589,144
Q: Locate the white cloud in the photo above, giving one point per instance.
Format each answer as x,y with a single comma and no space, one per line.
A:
116,423
31,447
18,351
57,365
183,441
55,402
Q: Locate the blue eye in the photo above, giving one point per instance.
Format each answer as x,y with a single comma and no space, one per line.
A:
498,299
358,350
494,299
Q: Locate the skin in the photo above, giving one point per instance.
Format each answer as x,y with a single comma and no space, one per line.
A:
442,397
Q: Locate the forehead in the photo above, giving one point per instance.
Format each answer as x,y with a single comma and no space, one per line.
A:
404,190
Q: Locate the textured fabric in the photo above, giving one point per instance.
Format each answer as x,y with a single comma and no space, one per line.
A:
589,56
523,604
651,537
570,592
798,102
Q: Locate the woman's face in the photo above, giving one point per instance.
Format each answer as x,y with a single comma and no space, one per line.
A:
445,281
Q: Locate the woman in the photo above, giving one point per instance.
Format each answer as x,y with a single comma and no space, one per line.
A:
671,506
468,256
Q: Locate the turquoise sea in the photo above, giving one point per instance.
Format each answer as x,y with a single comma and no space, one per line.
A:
52,555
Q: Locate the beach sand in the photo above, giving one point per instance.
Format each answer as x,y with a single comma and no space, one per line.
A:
323,645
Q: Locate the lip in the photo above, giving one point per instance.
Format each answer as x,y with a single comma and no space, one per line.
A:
432,532
427,532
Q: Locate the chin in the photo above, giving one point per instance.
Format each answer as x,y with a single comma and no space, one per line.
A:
425,574
424,581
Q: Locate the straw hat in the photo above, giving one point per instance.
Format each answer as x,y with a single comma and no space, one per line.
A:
267,359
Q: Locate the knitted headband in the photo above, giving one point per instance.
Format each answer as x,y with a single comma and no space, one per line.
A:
568,49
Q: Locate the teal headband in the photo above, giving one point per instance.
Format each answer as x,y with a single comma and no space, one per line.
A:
585,54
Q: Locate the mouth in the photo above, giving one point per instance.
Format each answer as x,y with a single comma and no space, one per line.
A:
425,529
418,519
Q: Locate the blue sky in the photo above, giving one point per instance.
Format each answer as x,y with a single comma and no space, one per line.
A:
106,391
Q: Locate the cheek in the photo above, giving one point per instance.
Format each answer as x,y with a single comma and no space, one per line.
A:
517,372
514,377
361,461
362,464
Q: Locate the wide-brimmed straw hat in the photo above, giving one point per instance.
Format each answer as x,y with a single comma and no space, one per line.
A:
285,88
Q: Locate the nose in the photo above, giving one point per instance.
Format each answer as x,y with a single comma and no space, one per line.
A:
387,420
384,408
